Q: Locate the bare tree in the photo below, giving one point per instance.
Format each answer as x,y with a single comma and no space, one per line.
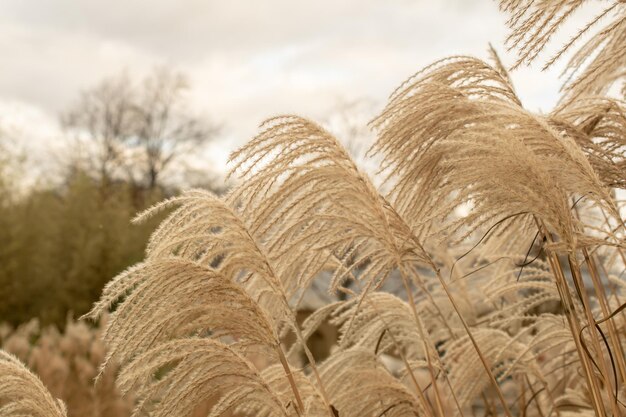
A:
164,127
103,117
137,130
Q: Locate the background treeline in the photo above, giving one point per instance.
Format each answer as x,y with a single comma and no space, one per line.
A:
61,245
61,240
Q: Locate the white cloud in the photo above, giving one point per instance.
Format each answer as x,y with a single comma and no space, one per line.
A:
249,60
30,133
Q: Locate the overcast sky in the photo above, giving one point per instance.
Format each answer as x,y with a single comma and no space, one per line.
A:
247,60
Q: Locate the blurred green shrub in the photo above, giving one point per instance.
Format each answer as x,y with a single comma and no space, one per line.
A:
60,245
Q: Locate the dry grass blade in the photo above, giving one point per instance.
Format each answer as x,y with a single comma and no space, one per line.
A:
383,322
275,377
192,298
207,231
379,393
603,56
309,202
22,392
598,125
509,357
176,376
456,134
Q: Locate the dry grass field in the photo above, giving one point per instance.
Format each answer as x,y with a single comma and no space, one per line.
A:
503,228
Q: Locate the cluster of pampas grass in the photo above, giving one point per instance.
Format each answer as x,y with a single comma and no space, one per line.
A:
67,363
502,226
23,393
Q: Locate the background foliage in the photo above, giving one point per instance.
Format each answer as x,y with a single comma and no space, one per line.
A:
60,245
